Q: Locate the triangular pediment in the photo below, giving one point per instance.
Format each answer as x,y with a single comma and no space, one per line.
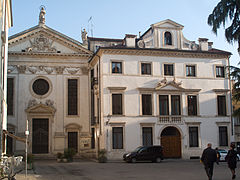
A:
41,109
170,86
168,24
42,39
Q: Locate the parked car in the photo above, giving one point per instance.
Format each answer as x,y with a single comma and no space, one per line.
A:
145,153
223,154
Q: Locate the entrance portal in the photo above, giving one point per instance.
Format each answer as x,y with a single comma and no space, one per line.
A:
73,140
40,136
171,142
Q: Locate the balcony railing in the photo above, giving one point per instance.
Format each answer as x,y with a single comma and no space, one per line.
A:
170,120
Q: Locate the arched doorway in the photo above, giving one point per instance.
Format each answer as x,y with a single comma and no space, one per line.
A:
171,142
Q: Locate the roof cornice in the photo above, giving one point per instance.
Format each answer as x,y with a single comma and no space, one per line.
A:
162,52
33,54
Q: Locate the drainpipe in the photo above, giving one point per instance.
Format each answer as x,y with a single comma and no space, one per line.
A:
231,107
99,101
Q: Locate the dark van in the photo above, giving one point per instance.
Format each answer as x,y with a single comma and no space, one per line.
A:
145,153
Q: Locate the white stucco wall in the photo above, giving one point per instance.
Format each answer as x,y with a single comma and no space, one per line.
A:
207,119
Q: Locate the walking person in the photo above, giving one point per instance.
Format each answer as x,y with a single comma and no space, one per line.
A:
209,156
231,159
218,155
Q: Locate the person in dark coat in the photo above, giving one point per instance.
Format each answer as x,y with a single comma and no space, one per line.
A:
209,156
231,159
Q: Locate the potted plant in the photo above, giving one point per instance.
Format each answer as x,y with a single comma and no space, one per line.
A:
68,154
59,157
102,156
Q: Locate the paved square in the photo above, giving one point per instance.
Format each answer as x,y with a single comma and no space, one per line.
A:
85,170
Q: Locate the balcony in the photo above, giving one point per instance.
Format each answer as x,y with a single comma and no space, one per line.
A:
170,120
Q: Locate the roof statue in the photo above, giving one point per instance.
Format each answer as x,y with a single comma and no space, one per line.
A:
84,37
42,16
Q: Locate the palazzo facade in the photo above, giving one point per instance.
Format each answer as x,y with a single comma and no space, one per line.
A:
160,89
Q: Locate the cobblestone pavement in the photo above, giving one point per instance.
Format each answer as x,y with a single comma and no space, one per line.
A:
86,170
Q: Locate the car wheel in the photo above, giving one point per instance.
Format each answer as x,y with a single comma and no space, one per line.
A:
158,160
133,160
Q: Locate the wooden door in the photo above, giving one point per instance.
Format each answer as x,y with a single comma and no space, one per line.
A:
73,140
40,133
171,146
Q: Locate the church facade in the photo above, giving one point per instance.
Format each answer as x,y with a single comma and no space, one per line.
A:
117,94
48,90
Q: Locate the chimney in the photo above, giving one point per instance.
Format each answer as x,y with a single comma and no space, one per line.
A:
210,45
130,40
203,44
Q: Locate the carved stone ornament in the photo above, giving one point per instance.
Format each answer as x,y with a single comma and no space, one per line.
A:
84,70
40,68
32,102
59,69
21,69
32,69
11,69
49,102
164,83
42,16
41,44
48,70
72,70
141,44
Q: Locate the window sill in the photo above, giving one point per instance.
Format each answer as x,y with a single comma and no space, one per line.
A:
118,74
168,75
191,76
146,75
72,116
194,148
117,115
118,150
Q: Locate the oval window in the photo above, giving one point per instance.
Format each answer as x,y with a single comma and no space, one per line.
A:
40,87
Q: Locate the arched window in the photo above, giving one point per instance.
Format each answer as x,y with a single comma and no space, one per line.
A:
167,38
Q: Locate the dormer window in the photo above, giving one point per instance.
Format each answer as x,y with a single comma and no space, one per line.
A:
167,38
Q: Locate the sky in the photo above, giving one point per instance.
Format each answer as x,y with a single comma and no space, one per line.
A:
115,18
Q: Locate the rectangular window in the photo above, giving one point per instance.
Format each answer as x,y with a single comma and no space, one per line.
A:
117,138
168,69
190,71
147,136
220,71
10,87
175,105
146,68
117,104
117,67
192,105
221,101
72,97
193,136
223,136
163,105
146,104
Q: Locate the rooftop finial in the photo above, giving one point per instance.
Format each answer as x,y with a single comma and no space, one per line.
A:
42,15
